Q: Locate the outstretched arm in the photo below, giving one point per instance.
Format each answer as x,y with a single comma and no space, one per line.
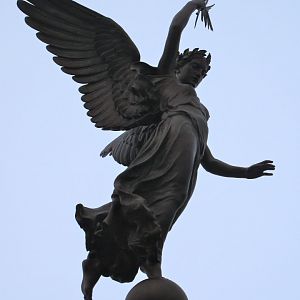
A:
168,59
217,167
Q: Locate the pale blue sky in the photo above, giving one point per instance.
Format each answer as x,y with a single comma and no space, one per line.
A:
237,239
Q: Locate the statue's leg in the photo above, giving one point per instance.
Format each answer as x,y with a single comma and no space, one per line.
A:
91,274
153,269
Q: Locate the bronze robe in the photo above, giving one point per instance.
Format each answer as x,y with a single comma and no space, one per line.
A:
153,191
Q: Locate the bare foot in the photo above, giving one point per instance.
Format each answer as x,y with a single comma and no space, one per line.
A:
152,270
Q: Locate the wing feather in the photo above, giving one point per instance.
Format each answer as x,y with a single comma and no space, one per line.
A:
98,93
67,53
99,111
64,44
76,63
62,13
95,69
94,104
62,33
92,87
90,78
76,9
42,13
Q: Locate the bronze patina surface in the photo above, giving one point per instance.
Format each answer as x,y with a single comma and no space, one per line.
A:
165,138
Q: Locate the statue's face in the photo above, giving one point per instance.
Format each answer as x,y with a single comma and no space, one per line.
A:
192,72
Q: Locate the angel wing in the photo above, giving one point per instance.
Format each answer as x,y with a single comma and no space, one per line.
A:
126,147
99,54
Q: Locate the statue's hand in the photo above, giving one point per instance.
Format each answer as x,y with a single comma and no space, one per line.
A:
201,4
260,169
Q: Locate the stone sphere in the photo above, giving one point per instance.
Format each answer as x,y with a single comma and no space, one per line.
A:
156,289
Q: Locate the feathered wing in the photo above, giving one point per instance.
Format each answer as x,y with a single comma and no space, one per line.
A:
100,55
125,147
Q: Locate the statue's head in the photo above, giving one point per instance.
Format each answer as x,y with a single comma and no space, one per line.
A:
192,66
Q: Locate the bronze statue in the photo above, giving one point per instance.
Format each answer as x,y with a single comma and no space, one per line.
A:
165,124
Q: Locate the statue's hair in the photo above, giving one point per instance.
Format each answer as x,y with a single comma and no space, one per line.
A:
188,55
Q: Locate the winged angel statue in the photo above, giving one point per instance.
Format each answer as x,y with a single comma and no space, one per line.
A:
165,126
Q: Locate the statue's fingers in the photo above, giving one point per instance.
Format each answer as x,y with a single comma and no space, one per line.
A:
269,167
267,174
266,162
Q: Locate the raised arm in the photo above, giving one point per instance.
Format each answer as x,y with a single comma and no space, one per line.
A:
168,59
217,167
